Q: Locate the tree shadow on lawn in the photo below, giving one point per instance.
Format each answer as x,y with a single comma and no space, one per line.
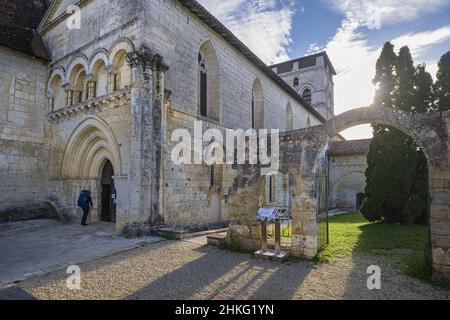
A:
351,234
403,249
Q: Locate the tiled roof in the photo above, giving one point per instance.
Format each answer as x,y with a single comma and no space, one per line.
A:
18,22
349,147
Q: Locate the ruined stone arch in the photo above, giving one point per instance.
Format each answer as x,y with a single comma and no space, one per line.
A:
209,94
429,131
301,151
89,145
258,105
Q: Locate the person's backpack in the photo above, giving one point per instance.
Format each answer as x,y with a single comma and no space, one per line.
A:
82,199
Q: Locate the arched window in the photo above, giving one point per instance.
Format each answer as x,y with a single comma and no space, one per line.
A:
56,94
308,122
296,82
257,105
289,118
77,92
307,95
203,73
253,111
208,82
99,85
121,77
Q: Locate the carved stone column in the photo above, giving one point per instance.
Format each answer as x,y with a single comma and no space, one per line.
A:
68,89
159,118
147,101
91,86
111,73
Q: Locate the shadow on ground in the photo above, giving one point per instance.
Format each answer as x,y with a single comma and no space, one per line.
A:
15,293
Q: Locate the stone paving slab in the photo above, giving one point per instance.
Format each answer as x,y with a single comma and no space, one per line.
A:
38,247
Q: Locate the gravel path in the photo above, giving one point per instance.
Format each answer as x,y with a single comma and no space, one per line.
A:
191,270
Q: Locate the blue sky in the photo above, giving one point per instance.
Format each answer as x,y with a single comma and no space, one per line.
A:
351,31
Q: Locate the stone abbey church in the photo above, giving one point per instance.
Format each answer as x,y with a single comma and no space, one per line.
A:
94,108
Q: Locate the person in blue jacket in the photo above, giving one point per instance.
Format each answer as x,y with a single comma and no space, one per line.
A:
85,203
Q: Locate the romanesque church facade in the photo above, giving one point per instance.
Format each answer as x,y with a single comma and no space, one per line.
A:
95,107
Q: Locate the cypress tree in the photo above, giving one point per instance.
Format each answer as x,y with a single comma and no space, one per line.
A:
442,87
397,185
423,90
385,76
376,191
405,73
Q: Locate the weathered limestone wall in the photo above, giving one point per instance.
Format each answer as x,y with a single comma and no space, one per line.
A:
110,126
191,198
102,23
347,179
440,217
68,186
23,125
177,35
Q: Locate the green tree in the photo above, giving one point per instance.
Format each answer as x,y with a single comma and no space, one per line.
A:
404,80
423,90
442,86
395,191
385,77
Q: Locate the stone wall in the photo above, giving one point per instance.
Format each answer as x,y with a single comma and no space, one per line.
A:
67,185
346,180
192,197
23,127
102,23
319,81
172,31
440,217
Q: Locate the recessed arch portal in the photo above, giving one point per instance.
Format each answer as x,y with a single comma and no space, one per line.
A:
89,145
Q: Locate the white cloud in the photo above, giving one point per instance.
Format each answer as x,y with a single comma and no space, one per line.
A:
388,11
419,42
354,60
263,25
313,48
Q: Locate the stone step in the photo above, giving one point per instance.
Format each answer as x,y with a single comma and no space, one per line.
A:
217,239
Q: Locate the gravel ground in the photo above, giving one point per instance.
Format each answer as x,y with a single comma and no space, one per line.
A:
191,270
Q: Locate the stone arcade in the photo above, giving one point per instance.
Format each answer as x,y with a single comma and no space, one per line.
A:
96,108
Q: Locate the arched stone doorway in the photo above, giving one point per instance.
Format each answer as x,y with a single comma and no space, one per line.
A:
108,194
92,161
430,132
300,151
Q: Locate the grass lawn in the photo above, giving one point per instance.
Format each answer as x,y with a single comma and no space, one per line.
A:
352,234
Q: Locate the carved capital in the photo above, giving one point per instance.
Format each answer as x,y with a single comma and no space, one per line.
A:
158,64
141,58
145,59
